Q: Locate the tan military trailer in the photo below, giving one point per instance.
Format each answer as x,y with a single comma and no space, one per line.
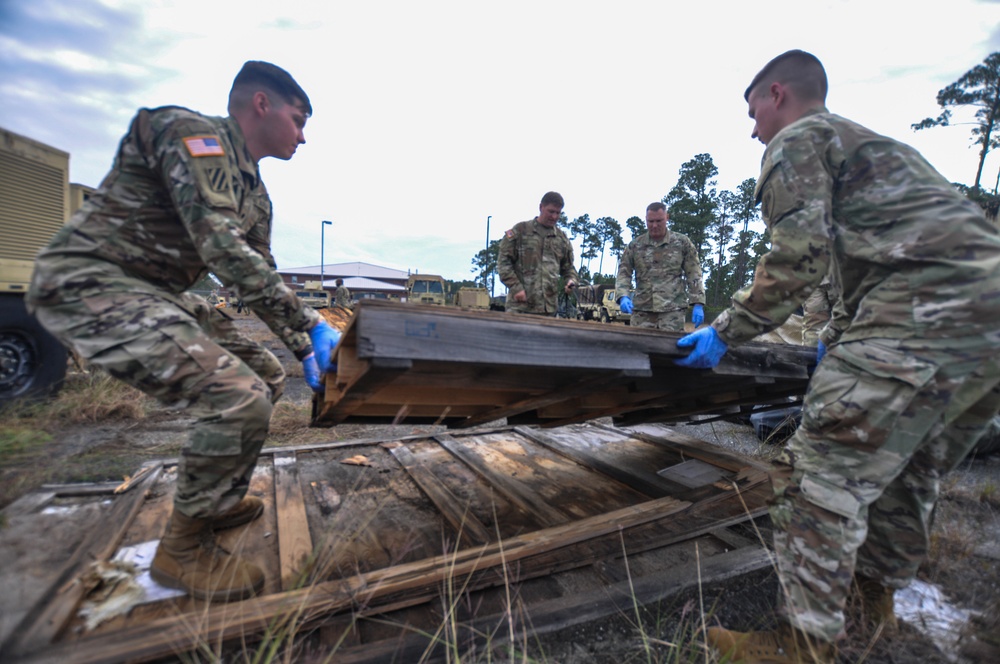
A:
473,298
597,302
36,199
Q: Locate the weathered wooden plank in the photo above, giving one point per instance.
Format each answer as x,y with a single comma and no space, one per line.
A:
294,540
45,620
648,483
167,636
28,504
560,394
339,404
462,520
692,447
512,489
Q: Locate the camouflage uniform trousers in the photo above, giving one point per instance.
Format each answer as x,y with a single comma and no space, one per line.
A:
883,421
671,321
188,354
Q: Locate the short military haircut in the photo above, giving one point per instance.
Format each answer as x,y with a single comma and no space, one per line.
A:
340,282
800,71
655,206
257,75
553,198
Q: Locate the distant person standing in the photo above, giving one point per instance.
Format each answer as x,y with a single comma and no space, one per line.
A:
667,276
534,255
343,296
184,198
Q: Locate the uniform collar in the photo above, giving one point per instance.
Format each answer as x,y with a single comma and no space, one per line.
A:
665,240
542,228
244,159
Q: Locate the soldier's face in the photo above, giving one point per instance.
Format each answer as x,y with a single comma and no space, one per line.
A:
548,215
762,107
284,130
656,223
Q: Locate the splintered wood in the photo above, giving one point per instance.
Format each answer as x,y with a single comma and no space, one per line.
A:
548,516
402,363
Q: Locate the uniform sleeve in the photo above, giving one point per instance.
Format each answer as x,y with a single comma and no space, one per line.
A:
623,284
199,180
692,274
567,265
796,193
506,260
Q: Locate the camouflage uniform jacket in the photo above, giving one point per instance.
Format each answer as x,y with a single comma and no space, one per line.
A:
532,258
343,297
914,258
667,273
184,197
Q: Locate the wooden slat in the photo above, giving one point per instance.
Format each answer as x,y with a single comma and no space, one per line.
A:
647,483
28,504
692,447
167,636
510,488
337,406
462,520
294,540
47,618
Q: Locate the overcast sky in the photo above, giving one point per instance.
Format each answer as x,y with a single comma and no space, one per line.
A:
433,115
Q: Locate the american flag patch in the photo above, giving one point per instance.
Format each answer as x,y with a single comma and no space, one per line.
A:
204,146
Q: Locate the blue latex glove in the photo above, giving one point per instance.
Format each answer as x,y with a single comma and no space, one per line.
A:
708,349
820,351
625,302
698,315
324,340
310,369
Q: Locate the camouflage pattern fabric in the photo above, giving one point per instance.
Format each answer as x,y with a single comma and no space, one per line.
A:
343,297
914,258
183,198
532,258
187,354
883,422
911,377
671,321
816,312
667,277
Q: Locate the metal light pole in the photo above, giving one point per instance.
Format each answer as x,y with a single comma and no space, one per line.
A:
322,243
486,258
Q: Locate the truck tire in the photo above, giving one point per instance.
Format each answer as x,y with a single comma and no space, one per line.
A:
32,361
604,316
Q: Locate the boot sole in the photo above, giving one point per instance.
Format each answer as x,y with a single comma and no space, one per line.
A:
221,595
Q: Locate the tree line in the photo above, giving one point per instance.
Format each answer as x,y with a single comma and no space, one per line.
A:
720,223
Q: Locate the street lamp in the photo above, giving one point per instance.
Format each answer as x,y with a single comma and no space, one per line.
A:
486,258
322,243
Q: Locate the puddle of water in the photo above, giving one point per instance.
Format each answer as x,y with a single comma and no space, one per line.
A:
925,607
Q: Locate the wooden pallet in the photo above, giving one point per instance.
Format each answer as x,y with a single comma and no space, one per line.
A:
463,368
495,533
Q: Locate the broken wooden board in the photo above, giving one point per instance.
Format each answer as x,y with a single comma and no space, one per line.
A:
363,542
463,368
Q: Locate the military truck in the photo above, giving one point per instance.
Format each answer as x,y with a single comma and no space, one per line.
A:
315,295
426,289
36,200
597,302
473,298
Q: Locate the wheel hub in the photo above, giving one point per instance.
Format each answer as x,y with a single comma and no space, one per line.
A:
17,358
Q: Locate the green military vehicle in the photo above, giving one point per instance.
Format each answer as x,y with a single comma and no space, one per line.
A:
36,199
597,302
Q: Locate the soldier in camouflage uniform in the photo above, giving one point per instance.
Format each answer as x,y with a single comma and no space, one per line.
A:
912,375
342,298
533,256
667,275
184,198
817,311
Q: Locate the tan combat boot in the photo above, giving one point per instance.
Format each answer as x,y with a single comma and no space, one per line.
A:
189,559
877,603
784,645
242,512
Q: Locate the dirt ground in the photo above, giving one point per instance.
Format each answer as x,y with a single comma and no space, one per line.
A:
963,563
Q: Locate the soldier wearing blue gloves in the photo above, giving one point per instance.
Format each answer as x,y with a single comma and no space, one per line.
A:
910,371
